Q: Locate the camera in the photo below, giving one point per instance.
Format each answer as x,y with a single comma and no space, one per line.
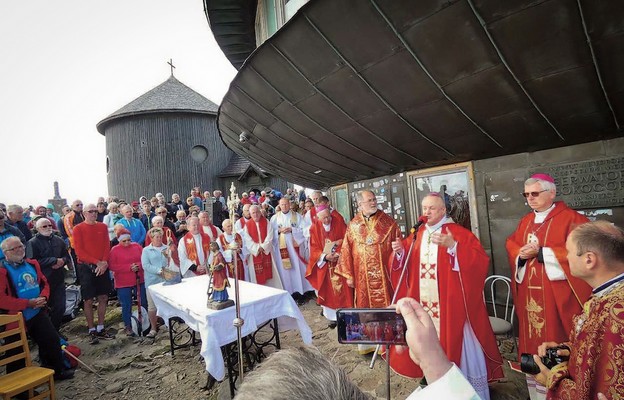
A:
528,365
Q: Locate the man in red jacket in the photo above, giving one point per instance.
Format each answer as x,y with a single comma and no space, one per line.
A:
23,288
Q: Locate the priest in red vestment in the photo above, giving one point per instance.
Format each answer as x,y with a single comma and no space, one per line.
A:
258,238
326,237
446,272
545,293
193,250
208,227
595,252
365,252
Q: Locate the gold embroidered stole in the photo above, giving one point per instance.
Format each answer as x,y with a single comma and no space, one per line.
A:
535,275
428,278
286,263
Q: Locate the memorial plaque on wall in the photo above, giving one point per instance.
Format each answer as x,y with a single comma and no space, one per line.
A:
391,192
590,184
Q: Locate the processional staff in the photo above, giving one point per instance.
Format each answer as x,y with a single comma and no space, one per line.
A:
238,322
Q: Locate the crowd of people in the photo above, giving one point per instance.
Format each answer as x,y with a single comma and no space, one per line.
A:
304,246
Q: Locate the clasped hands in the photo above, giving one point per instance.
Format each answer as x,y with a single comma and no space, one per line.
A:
37,302
529,251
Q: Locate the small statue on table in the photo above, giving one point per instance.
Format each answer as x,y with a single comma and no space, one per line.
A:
217,289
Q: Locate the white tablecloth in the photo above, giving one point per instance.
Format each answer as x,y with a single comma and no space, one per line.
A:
259,304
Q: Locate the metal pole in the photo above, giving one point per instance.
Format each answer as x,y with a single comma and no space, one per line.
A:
238,321
396,292
388,372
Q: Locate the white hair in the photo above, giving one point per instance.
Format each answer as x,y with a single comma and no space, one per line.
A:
544,184
301,373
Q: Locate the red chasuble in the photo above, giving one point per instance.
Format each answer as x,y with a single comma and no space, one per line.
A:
239,261
332,288
262,262
460,299
545,308
364,256
596,364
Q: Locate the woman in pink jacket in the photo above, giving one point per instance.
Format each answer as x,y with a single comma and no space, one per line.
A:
125,262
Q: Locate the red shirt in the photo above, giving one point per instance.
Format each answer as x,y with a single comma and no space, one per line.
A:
91,242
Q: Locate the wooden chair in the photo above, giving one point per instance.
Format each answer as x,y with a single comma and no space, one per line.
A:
29,377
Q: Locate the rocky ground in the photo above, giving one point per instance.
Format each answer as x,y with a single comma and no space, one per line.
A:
130,368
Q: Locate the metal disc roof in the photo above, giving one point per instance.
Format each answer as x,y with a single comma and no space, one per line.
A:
349,90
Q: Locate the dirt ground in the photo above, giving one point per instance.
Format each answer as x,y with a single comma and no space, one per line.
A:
130,368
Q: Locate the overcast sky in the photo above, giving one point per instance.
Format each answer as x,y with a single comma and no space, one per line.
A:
68,64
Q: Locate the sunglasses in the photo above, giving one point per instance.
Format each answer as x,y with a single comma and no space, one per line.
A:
533,194
162,212
91,211
46,226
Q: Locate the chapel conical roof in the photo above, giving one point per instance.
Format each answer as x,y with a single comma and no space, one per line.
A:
170,96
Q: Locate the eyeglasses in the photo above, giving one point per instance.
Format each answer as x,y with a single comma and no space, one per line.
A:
162,212
78,205
533,194
91,211
124,241
46,226
21,246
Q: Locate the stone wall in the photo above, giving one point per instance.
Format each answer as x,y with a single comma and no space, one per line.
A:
499,184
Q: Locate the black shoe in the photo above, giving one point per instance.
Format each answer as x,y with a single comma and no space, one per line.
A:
93,339
332,325
423,382
104,335
64,374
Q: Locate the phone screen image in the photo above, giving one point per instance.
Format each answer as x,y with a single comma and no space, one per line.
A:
370,326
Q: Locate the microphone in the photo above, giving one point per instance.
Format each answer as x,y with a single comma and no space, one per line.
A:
423,219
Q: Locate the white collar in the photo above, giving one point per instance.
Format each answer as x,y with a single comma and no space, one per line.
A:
541,215
437,226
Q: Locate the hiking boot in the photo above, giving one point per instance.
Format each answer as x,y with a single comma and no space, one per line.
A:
93,339
104,335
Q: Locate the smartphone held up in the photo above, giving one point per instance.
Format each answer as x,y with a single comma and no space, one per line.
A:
370,326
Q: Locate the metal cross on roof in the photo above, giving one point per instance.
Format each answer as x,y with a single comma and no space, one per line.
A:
171,65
